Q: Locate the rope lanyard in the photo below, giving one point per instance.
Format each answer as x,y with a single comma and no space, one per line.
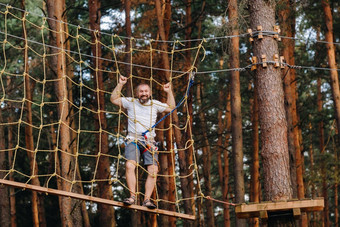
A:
191,82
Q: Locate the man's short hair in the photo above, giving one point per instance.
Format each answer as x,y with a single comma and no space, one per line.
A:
142,84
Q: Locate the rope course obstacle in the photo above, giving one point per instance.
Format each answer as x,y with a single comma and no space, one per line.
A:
17,74
28,83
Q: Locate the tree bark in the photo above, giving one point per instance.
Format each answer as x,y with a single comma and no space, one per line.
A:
80,212
287,18
272,119
206,159
106,213
334,85
128,57
332,61
58,67
177,133
38,211
236,114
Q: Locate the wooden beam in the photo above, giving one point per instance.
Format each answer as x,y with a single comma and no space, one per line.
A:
263,214
255,209
95,199
296,212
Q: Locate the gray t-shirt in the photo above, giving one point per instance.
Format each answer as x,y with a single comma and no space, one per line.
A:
141,117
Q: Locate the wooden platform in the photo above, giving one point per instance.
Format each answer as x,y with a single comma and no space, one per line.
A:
261,209
95,199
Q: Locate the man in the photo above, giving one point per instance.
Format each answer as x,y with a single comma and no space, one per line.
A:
142,114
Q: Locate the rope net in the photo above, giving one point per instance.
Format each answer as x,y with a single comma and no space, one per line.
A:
60,128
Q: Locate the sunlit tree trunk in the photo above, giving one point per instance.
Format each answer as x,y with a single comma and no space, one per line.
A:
236,116
177,133
332,60
287,18
128,43
106,212
334,82
38,212
272,119
206,159
166,12
80,212
58,67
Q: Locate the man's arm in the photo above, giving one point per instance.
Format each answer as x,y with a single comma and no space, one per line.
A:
115,96
170,97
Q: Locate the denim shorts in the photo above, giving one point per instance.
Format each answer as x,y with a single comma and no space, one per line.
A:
133,151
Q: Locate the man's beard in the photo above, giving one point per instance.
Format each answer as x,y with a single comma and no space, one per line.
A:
144,99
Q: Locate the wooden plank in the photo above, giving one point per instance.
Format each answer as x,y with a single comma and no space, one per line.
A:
296,212
95,199
254,209
263,214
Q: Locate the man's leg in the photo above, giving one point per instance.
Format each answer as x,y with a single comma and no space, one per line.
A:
151,180
131,176
132,155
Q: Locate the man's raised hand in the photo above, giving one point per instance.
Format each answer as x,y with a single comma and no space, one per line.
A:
122,80
167,87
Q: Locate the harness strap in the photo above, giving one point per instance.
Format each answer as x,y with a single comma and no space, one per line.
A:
146,147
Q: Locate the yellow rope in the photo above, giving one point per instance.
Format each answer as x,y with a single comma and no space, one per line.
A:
42,99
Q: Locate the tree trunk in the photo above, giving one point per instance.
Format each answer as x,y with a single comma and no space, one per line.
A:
255,173
128,45
171,171
106,212
38,212
206,159
272,119
332,61
226,210
58,66
5,215
335,88
177,133
236,116
285,15
287,18
80,212
10,163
